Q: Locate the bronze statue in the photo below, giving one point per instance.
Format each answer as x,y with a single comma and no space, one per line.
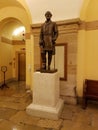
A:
48,36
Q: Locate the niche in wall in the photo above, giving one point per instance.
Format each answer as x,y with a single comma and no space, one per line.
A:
59,60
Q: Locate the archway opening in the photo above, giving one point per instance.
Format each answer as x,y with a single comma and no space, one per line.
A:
12,54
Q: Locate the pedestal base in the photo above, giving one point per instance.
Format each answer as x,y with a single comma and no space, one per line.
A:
44,111
46,100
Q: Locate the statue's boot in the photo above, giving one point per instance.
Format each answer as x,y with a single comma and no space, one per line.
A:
43,55
49,60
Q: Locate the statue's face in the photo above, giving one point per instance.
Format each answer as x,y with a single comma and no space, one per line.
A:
48,16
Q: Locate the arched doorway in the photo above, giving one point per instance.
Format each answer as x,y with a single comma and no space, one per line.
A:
16,16
13,42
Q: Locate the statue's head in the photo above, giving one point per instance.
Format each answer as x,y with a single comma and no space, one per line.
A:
48,13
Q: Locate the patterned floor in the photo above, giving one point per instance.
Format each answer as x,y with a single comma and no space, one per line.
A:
13,116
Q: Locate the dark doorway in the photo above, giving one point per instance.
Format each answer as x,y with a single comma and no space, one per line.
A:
21,67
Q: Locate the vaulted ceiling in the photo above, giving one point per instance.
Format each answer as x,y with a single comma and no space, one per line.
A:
61,10
6,3
8,25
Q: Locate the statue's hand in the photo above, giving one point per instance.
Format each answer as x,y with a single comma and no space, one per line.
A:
41,43
54,39
53,42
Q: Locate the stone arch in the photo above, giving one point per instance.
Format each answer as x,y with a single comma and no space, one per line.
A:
10,22
17,13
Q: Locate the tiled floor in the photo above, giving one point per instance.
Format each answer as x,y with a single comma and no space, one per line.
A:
15,99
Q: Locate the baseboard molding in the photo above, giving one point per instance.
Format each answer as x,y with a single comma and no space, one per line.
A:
69,99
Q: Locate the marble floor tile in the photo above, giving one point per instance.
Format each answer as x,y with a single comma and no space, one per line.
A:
53,124
13,116
6,113
7,125
67,114
23,118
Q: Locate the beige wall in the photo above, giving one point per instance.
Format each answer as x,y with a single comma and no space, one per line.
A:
88,44
6,60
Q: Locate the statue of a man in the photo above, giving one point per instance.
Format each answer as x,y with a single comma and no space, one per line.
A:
48,36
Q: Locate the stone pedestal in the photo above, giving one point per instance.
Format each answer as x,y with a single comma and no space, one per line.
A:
46,101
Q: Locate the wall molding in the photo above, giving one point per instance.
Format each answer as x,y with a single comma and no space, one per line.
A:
12,42
18,42
63,22
65,26
6,40
70,25
92,25
27,35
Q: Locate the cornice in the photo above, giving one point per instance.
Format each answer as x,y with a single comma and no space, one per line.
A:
18,42
65,26
12,42
6,40
91,25
60,23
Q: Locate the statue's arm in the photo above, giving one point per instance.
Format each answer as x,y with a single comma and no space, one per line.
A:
41,40
55,32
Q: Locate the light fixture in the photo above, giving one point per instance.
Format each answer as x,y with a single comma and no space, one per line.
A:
18,31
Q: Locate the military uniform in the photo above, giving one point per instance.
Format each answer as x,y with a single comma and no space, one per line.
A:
48,36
